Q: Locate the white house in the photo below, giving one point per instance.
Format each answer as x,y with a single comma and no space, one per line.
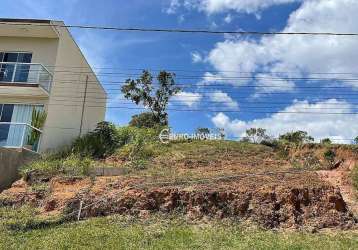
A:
43,69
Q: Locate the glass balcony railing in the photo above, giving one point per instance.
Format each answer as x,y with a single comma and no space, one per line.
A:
19,135
25,73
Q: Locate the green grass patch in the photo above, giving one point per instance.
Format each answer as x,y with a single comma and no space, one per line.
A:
71,165
171,232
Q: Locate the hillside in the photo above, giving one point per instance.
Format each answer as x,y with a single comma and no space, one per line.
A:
308,187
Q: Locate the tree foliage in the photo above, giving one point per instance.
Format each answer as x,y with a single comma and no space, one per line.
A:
204,131
326,141
356,140
152,94
256,135
100,143
144,120
297,137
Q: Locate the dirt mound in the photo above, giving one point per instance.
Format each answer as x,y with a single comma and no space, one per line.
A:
295,208
259,199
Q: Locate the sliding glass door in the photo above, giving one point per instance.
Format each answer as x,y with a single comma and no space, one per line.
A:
13,120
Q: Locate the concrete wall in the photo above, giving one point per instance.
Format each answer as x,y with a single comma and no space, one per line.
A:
10,162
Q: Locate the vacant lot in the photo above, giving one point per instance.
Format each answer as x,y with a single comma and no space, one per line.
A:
189,195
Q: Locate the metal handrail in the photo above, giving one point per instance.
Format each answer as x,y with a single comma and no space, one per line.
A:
46,85
24,128
21,123
43,66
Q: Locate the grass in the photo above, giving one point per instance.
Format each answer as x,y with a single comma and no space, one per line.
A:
171,232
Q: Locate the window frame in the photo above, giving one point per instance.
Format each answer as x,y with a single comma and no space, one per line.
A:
17,58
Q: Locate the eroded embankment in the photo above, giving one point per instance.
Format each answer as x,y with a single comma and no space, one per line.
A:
279,201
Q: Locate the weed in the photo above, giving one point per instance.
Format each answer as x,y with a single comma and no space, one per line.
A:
71,165
329,155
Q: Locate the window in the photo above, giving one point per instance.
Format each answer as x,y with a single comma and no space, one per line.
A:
19,57
11,72
6,111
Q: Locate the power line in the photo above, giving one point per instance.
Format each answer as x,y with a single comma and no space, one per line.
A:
117,85
205,102
191,31
224,111
178,70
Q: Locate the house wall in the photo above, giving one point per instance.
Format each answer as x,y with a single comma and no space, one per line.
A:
64,106
67,95
44,50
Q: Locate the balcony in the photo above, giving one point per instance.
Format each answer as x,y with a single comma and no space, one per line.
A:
20,135
24,75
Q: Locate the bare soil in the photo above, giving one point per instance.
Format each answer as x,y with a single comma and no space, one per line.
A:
247,185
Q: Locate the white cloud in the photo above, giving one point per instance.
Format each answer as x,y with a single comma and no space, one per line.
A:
302,54
223,98
248,6
188,98
196,57
217,6
335,126
173,6
181,19
228,19
266,85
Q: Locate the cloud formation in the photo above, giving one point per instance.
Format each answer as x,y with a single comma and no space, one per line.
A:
223,99
189,99
302,54
218,6
336,127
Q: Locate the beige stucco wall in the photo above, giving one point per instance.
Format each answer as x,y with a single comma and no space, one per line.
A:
64,105
67,95
44,50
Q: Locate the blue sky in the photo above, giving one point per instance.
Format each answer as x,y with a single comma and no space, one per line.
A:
218,60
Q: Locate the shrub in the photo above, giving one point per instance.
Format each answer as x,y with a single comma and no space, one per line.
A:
140,145
100,143
144,120
272,143
326,141
202,131
329,155
71,165
297,137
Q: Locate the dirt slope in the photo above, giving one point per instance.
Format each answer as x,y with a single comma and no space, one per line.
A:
249,183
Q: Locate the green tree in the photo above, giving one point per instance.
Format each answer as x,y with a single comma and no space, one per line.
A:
144,120
256,135
152,94
297,137
356,140
326,141
204,131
